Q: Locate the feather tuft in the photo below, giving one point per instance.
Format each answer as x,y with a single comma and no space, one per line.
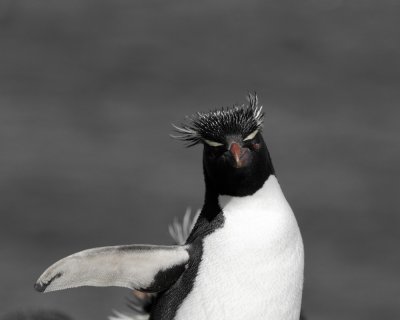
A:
180,231
215,125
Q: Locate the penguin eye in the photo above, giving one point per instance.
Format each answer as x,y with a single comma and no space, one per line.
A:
251,135
213,143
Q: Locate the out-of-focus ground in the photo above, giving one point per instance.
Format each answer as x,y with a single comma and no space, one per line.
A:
88,90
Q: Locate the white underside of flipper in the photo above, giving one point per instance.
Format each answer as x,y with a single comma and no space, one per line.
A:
251,268
130,266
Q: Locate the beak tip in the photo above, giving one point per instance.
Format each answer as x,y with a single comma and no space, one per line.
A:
39,287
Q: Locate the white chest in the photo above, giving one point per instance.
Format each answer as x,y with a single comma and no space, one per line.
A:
251,268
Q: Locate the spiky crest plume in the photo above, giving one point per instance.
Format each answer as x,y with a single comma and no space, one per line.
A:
216,124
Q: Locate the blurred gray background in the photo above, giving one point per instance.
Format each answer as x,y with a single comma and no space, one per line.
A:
88,90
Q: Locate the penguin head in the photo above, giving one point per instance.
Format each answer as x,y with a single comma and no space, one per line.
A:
236,160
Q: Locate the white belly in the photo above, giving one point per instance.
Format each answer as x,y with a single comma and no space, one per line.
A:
251,268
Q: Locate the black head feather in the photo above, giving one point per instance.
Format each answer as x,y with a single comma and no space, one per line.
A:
216,124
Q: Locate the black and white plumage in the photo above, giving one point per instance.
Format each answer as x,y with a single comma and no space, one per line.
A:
243,259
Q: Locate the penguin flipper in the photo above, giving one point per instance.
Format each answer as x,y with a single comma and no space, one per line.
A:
146,268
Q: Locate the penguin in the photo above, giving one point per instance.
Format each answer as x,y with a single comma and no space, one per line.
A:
244,256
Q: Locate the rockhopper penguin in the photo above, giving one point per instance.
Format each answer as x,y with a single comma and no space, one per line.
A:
244,256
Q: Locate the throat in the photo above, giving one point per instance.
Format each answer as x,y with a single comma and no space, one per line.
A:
238,182
226,183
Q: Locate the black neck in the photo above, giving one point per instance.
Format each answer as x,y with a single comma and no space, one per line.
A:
211,206
235,182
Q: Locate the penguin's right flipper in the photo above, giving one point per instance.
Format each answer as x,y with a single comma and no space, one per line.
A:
143,267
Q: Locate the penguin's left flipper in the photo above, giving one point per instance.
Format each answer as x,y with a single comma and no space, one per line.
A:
146,268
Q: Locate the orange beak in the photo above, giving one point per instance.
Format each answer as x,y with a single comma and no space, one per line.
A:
236,152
